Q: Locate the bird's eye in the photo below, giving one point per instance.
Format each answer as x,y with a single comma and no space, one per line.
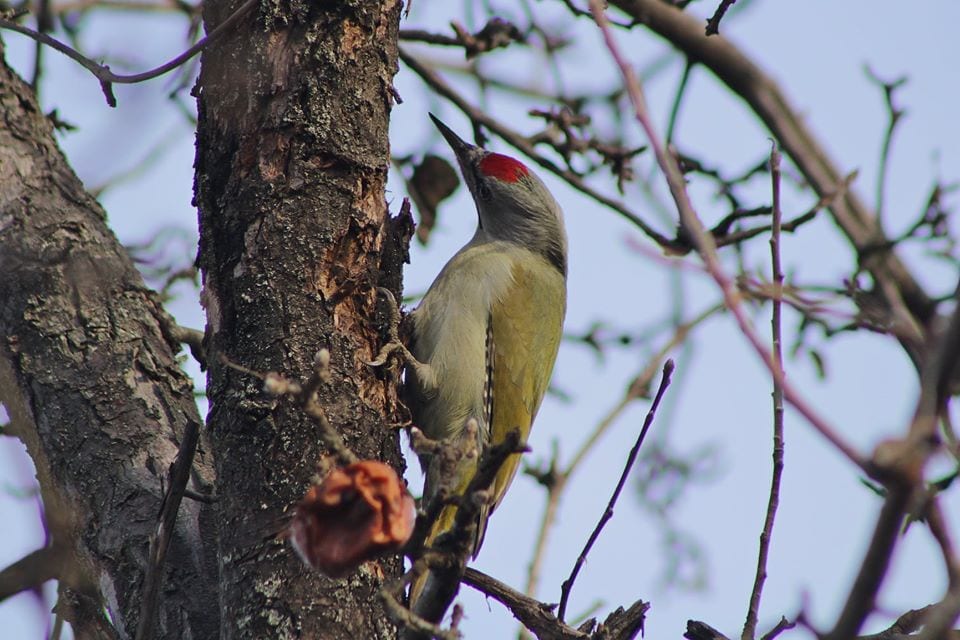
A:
483,190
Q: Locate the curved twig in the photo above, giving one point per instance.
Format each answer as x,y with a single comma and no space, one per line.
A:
608,512
107,77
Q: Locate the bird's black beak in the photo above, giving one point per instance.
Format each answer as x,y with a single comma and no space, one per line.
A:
459,146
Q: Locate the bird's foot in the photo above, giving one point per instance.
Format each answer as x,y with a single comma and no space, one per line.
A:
395,348
393,344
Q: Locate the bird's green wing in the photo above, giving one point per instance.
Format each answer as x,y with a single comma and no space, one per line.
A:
527,322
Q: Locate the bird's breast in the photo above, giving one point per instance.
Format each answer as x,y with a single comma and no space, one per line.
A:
449,327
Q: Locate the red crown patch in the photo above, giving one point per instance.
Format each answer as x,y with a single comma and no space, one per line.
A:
502,167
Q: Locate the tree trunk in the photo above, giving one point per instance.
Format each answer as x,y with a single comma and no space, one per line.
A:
89,376
295,236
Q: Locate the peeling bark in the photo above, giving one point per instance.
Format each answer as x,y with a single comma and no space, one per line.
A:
295,236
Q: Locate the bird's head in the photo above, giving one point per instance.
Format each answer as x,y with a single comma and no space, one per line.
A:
513,204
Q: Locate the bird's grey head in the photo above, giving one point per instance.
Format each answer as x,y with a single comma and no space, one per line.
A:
513,204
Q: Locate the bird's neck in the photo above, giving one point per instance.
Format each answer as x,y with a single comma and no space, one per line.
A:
552,247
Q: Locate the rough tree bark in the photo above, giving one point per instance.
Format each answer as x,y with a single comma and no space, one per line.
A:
291,168
94,391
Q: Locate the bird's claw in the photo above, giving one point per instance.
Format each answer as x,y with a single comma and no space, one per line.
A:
393,343
385,352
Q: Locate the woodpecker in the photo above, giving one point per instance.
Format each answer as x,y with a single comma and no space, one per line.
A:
486,334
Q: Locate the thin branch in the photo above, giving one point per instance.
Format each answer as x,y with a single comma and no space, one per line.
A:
706,246
939,375
406,618
621,624
937,524
782,625
750,626
495,34
894,115
713,23
160,541
108,78
939,620
531,613
428,37
31,571
825,201
193,338
678,98
557,481
567,585
44,24
697,630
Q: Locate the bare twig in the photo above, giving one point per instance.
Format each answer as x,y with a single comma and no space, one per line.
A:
160,541
941,533
44,24
108,78
678,99
894,115
429,37
31,571
557,481
193,338
750,626
697,630
621,624
940,618
906,624
782,625
531,613
608,512
713,23
495,34
706,246
406,618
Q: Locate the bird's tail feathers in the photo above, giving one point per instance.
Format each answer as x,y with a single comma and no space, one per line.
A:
425,585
